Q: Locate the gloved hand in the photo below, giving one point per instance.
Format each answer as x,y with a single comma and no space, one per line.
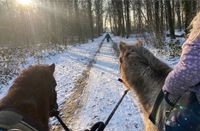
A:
99,126
171,99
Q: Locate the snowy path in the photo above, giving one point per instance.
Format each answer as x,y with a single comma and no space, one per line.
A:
69,68
70,65
101,95
88,94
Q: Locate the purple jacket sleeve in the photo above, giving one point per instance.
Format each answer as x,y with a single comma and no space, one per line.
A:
187,72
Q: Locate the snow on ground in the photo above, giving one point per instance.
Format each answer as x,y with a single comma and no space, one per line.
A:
103,92
69,65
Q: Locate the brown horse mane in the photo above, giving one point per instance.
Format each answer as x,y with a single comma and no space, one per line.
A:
149,59
148,76
29,95
144,73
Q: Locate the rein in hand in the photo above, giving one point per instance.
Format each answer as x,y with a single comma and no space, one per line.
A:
100,126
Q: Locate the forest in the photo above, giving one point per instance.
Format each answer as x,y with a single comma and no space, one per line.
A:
70,21
30,27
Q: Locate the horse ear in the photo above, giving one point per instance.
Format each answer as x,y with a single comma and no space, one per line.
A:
52,67
122,46
139,44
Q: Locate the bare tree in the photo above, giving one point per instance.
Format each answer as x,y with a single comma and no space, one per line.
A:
127,12
178,13
91,23
170,18
99,17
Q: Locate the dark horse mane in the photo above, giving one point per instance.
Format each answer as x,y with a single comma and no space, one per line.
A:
32,94
142,72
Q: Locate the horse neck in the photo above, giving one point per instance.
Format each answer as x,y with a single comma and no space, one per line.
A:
147,89
34,108
151,79
149,93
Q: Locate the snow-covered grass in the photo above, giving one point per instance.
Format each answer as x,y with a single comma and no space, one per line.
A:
13,59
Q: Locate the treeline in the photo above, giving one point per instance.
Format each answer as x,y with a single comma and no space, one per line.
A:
68,21
153,16
50,21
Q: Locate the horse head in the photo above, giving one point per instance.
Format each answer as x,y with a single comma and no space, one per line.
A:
33,96
139,67
141,71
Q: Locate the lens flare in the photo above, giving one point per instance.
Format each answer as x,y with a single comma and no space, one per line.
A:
24,2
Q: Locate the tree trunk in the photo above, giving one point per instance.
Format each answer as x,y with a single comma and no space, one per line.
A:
188,13
139,13
161,17
99,17
178,13
170,19
90,19
77,21
128,25
157,20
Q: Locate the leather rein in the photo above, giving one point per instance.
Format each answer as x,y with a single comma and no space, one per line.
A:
27,124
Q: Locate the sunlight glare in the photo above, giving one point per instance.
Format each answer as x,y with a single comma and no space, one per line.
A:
24,2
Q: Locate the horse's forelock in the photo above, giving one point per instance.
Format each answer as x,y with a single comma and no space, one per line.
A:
139,50
122,47
146,57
